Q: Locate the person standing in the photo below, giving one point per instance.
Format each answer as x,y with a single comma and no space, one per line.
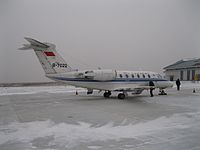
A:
178,83
151,84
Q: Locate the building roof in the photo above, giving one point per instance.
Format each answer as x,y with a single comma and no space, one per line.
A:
184,64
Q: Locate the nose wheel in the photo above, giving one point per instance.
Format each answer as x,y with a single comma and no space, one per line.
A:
162,92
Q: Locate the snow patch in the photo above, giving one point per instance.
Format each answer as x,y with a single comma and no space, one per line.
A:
94,147
38,89
70,135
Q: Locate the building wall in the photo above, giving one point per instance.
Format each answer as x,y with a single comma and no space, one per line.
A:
174,73
198,71
177,75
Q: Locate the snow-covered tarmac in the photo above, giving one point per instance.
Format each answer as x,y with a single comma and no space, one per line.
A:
54,118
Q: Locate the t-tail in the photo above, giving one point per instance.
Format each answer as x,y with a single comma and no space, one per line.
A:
50,60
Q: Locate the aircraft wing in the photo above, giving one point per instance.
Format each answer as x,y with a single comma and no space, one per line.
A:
127,88
135,89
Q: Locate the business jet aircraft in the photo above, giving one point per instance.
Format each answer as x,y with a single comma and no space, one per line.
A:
109,81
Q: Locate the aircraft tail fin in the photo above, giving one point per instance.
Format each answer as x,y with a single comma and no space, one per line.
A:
50,60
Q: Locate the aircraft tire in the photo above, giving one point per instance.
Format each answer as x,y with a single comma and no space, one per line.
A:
121,96
106,95
109,92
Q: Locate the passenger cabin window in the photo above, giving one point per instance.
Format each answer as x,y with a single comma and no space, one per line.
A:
143,75
126,75
89,72
138,75
132,75
149,76
120,75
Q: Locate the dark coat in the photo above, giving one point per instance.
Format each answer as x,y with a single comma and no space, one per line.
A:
178,83
151,83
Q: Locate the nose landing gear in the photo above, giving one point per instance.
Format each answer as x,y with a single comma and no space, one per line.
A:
162,92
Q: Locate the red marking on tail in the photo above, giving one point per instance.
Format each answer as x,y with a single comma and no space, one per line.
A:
49,53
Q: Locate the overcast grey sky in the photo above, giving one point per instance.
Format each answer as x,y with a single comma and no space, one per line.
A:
117,34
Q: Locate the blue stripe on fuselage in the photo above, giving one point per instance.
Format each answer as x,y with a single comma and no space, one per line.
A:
116,80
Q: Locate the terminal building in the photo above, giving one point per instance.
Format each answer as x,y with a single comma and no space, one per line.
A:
185,70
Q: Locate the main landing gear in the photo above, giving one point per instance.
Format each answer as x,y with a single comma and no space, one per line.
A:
120,95
107,94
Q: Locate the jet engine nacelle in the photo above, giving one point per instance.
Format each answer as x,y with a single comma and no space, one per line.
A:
100,75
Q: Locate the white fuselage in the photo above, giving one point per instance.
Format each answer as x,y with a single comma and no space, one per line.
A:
112,80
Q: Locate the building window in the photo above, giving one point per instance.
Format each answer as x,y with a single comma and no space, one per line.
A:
188,75
181,75
193,74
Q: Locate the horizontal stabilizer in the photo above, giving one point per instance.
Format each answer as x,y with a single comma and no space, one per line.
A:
26,47
33,44
36,43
